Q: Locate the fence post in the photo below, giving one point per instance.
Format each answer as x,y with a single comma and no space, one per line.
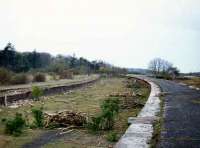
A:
5,100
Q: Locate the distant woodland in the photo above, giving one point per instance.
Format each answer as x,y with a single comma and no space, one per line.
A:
18,62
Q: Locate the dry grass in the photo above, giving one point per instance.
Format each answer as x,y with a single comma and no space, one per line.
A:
50,83
195,81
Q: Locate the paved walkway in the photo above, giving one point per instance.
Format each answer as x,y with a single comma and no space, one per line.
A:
181,128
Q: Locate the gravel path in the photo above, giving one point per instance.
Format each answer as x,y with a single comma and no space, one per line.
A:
181,128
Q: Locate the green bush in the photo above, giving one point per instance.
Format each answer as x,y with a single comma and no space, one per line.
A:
95,123
105,121
111,104
15,126
5,76
110,109
19,79
36,92
39,77
38,117
112,137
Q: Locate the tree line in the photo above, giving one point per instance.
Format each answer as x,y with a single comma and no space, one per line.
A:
26,61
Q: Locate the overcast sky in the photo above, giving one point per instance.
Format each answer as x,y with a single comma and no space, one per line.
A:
127,33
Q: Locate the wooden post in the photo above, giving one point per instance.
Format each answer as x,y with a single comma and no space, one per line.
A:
5,100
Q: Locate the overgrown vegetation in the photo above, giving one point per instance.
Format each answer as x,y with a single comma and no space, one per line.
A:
105,120
15,126
88,101
38,117
112,136
5,76
194,81
36,92
19,79
66,74
39,77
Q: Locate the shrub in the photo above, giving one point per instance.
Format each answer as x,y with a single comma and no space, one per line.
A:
38,117
5,76
15,126
112,137
105,121
19,79
39,77
111,104
110,109
66,74
36,92
95,123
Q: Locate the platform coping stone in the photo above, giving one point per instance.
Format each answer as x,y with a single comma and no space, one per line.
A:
140,132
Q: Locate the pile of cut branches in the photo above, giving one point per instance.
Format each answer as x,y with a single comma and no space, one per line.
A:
65,119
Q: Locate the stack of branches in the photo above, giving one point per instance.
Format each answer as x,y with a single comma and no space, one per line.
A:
124,94
130,102
136,83
127,100
65,119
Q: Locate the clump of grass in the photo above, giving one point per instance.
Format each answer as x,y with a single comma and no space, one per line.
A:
112,136
15,126
36,92
38,117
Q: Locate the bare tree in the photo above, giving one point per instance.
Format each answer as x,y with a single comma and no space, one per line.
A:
159,66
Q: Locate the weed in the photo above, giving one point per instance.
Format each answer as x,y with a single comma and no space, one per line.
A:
38,117
105,121
15,126
112,136
36,92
